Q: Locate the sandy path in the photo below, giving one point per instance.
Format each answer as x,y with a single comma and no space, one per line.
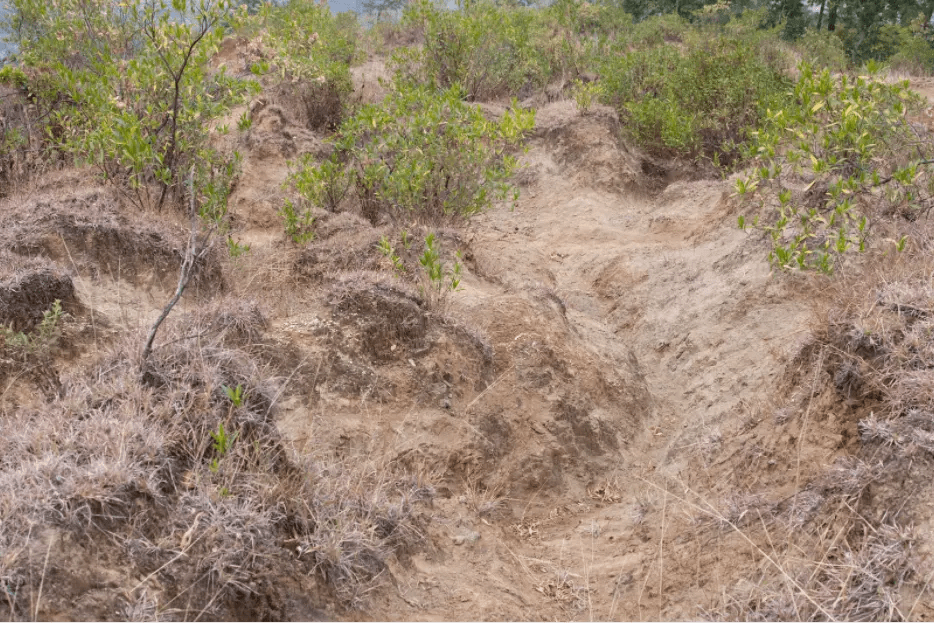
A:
671,282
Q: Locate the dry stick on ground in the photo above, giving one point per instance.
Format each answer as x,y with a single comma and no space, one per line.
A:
198,247
661,557
45,567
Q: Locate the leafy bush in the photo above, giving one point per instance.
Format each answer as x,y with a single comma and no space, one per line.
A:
849,140
487,49
135,82
658,30
701,103
914,53
308,52
822,49
587,20
13,76
422,154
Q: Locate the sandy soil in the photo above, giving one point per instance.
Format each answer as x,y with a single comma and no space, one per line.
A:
617,412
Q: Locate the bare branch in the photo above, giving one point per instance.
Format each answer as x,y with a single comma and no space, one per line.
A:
195,252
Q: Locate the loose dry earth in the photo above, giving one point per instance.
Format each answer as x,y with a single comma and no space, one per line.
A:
622,415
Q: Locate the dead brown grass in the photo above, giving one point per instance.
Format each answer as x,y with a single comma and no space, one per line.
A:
197,524
844,541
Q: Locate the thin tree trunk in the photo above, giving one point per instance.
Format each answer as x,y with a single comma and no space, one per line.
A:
195,251
820,16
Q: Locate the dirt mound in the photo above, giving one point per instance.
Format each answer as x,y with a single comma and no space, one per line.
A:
387,316
368,80
86,229
345,242
29,290
276,132
587,147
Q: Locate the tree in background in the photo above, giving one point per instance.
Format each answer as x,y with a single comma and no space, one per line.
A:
791,13
382,8
641,9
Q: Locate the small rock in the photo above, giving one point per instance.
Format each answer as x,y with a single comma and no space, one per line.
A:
469,537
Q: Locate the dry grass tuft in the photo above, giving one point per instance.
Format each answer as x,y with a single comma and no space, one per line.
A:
849,583
185,474
842,540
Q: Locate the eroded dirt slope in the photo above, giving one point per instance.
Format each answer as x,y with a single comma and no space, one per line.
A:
653,281
610,420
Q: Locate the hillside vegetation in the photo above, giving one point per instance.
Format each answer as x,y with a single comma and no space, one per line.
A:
605,310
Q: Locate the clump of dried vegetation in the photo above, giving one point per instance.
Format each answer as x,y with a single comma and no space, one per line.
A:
844,544
181,477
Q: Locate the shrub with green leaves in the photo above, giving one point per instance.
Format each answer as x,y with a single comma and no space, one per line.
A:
847,140
698,103
308,52
436,278
659,30
602,20
912,48
488,49
440,277
422,155
822,49
133,84
13,76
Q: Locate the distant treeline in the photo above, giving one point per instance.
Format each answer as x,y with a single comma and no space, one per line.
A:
867,29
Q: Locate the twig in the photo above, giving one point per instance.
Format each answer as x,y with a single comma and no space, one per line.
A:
661,557
42,580
285,384
891,177
804,426
491,386
193,255
924,589
177,556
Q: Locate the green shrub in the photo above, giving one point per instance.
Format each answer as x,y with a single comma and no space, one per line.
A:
700,103
13,76
588,20
658,30
299,224
850,140
135,84
436,278
915,53
422,154
750,27
307,52
487,49
822,49
890,39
